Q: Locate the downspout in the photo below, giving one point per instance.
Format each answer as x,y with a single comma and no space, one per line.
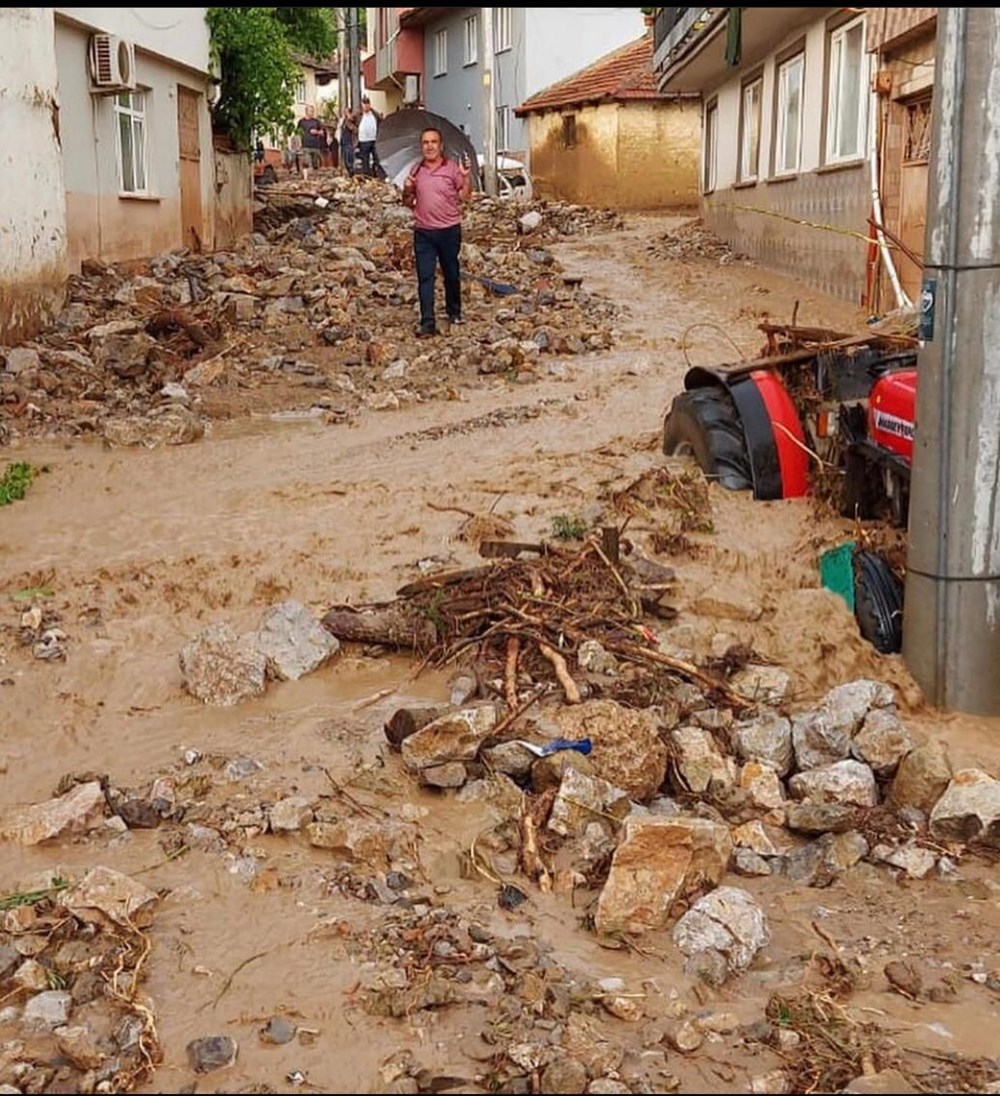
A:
874,112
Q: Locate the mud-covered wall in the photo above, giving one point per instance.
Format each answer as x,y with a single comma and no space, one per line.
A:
633,155
781,233
233,197
32,211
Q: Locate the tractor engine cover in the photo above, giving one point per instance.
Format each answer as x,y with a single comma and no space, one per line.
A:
892,409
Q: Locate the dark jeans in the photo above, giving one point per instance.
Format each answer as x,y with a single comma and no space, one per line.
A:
347,157
369,158
430,246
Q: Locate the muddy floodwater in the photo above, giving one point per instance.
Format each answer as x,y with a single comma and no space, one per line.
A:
139,550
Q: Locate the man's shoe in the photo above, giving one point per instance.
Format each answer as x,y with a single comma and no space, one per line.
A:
426,330
455,321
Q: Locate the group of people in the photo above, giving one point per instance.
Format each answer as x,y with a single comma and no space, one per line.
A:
355,139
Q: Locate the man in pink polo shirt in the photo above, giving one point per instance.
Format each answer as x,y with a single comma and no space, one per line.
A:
436,190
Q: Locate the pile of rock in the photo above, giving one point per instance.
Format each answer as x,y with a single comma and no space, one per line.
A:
323,299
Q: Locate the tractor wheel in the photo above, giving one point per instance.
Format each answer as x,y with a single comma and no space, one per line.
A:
878,602
705,424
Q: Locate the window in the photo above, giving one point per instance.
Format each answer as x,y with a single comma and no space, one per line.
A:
130,114
711,147
750,106
569,131
471,54
788,135
845,118
300,90
440,53
917,142
503,129
501,29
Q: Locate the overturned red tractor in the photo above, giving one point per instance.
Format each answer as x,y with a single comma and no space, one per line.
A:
814,400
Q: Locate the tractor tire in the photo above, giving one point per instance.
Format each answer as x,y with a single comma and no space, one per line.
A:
878,602
704,423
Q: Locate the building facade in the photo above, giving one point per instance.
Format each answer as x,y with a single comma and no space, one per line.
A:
788,144
436,58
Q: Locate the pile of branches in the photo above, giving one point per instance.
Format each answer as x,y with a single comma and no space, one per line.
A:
518,615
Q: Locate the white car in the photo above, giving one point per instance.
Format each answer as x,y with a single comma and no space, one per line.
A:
513,179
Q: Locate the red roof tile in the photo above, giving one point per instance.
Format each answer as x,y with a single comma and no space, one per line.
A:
625,73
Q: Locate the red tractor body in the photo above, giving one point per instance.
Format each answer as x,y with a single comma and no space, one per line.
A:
892,408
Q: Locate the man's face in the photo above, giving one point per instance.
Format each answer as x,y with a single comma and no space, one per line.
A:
430,146
366,105
310,111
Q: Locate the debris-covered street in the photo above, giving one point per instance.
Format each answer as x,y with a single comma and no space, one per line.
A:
390,715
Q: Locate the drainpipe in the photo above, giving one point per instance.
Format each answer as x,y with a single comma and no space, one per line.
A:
874,112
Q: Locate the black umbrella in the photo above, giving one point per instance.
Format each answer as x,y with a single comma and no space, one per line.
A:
398,143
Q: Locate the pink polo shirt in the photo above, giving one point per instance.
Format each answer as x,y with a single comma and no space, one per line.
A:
439,204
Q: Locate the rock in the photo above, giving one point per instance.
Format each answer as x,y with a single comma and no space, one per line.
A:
104,893
969,810
80,1046
212,1052
293,641
221,668
842,782
825,859
582,799
882,742
82,808
682,1035
364,840
171,425
768,740
627,750
726,920
48,1010
921,778
813,817
818,740
656,861
888,1081
761,838
915,860
762,785
452,774
456,736
699,763
763,684
592,658
290,814
548,772
904,976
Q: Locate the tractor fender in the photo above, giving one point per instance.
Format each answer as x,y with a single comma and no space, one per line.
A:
779,459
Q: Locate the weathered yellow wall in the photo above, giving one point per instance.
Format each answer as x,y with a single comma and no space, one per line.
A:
627,156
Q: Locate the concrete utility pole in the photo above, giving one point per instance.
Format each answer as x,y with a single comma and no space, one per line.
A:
951,627
353,50
342,91
489,107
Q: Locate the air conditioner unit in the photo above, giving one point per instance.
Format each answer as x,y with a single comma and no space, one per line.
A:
112,64
411,90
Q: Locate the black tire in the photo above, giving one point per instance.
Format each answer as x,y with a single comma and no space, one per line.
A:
267,176
705,424
878,602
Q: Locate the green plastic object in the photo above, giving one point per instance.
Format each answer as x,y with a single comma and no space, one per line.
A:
836,571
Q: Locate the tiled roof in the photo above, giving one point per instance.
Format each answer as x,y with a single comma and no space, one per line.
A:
625,73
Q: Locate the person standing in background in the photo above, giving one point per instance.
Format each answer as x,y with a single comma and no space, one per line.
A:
348,140
313,140
367,133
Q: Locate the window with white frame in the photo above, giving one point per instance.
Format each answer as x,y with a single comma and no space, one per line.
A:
845,117
503,129
501,29
788,130
750,112
300,90
471,55
440,53
708,177
130,116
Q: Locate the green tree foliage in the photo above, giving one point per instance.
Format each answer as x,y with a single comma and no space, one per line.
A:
253,54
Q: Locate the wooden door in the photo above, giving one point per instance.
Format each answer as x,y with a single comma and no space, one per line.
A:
189,139
913,190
